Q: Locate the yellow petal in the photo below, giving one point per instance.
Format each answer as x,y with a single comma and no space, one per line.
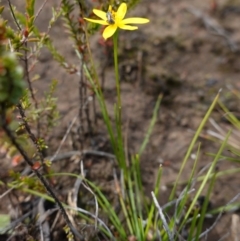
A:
127,27
109,31
121,12
100,14
135,20
97,21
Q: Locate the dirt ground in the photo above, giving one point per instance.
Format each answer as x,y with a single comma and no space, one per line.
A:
188,52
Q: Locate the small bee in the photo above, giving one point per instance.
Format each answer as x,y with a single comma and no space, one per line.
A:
110,16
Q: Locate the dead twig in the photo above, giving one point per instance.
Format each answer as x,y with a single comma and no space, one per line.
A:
41,178
98,219
43,222
63,139
40,10
13,15
160,211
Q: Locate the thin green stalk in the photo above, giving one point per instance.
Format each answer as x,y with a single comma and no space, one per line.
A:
132,211
104,203
218,175
136,197
120,155
205,207
230,116
115,52
118,110
202,124
203,184
125,212
180,207
103,107
152,208
193,226
181,204
151,126
138,179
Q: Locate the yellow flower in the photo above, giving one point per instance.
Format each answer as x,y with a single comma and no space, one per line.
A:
116,20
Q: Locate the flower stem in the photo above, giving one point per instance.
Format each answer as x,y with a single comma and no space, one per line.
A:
115,49
118,110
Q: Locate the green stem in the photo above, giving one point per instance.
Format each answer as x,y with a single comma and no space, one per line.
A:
115,49
118,110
